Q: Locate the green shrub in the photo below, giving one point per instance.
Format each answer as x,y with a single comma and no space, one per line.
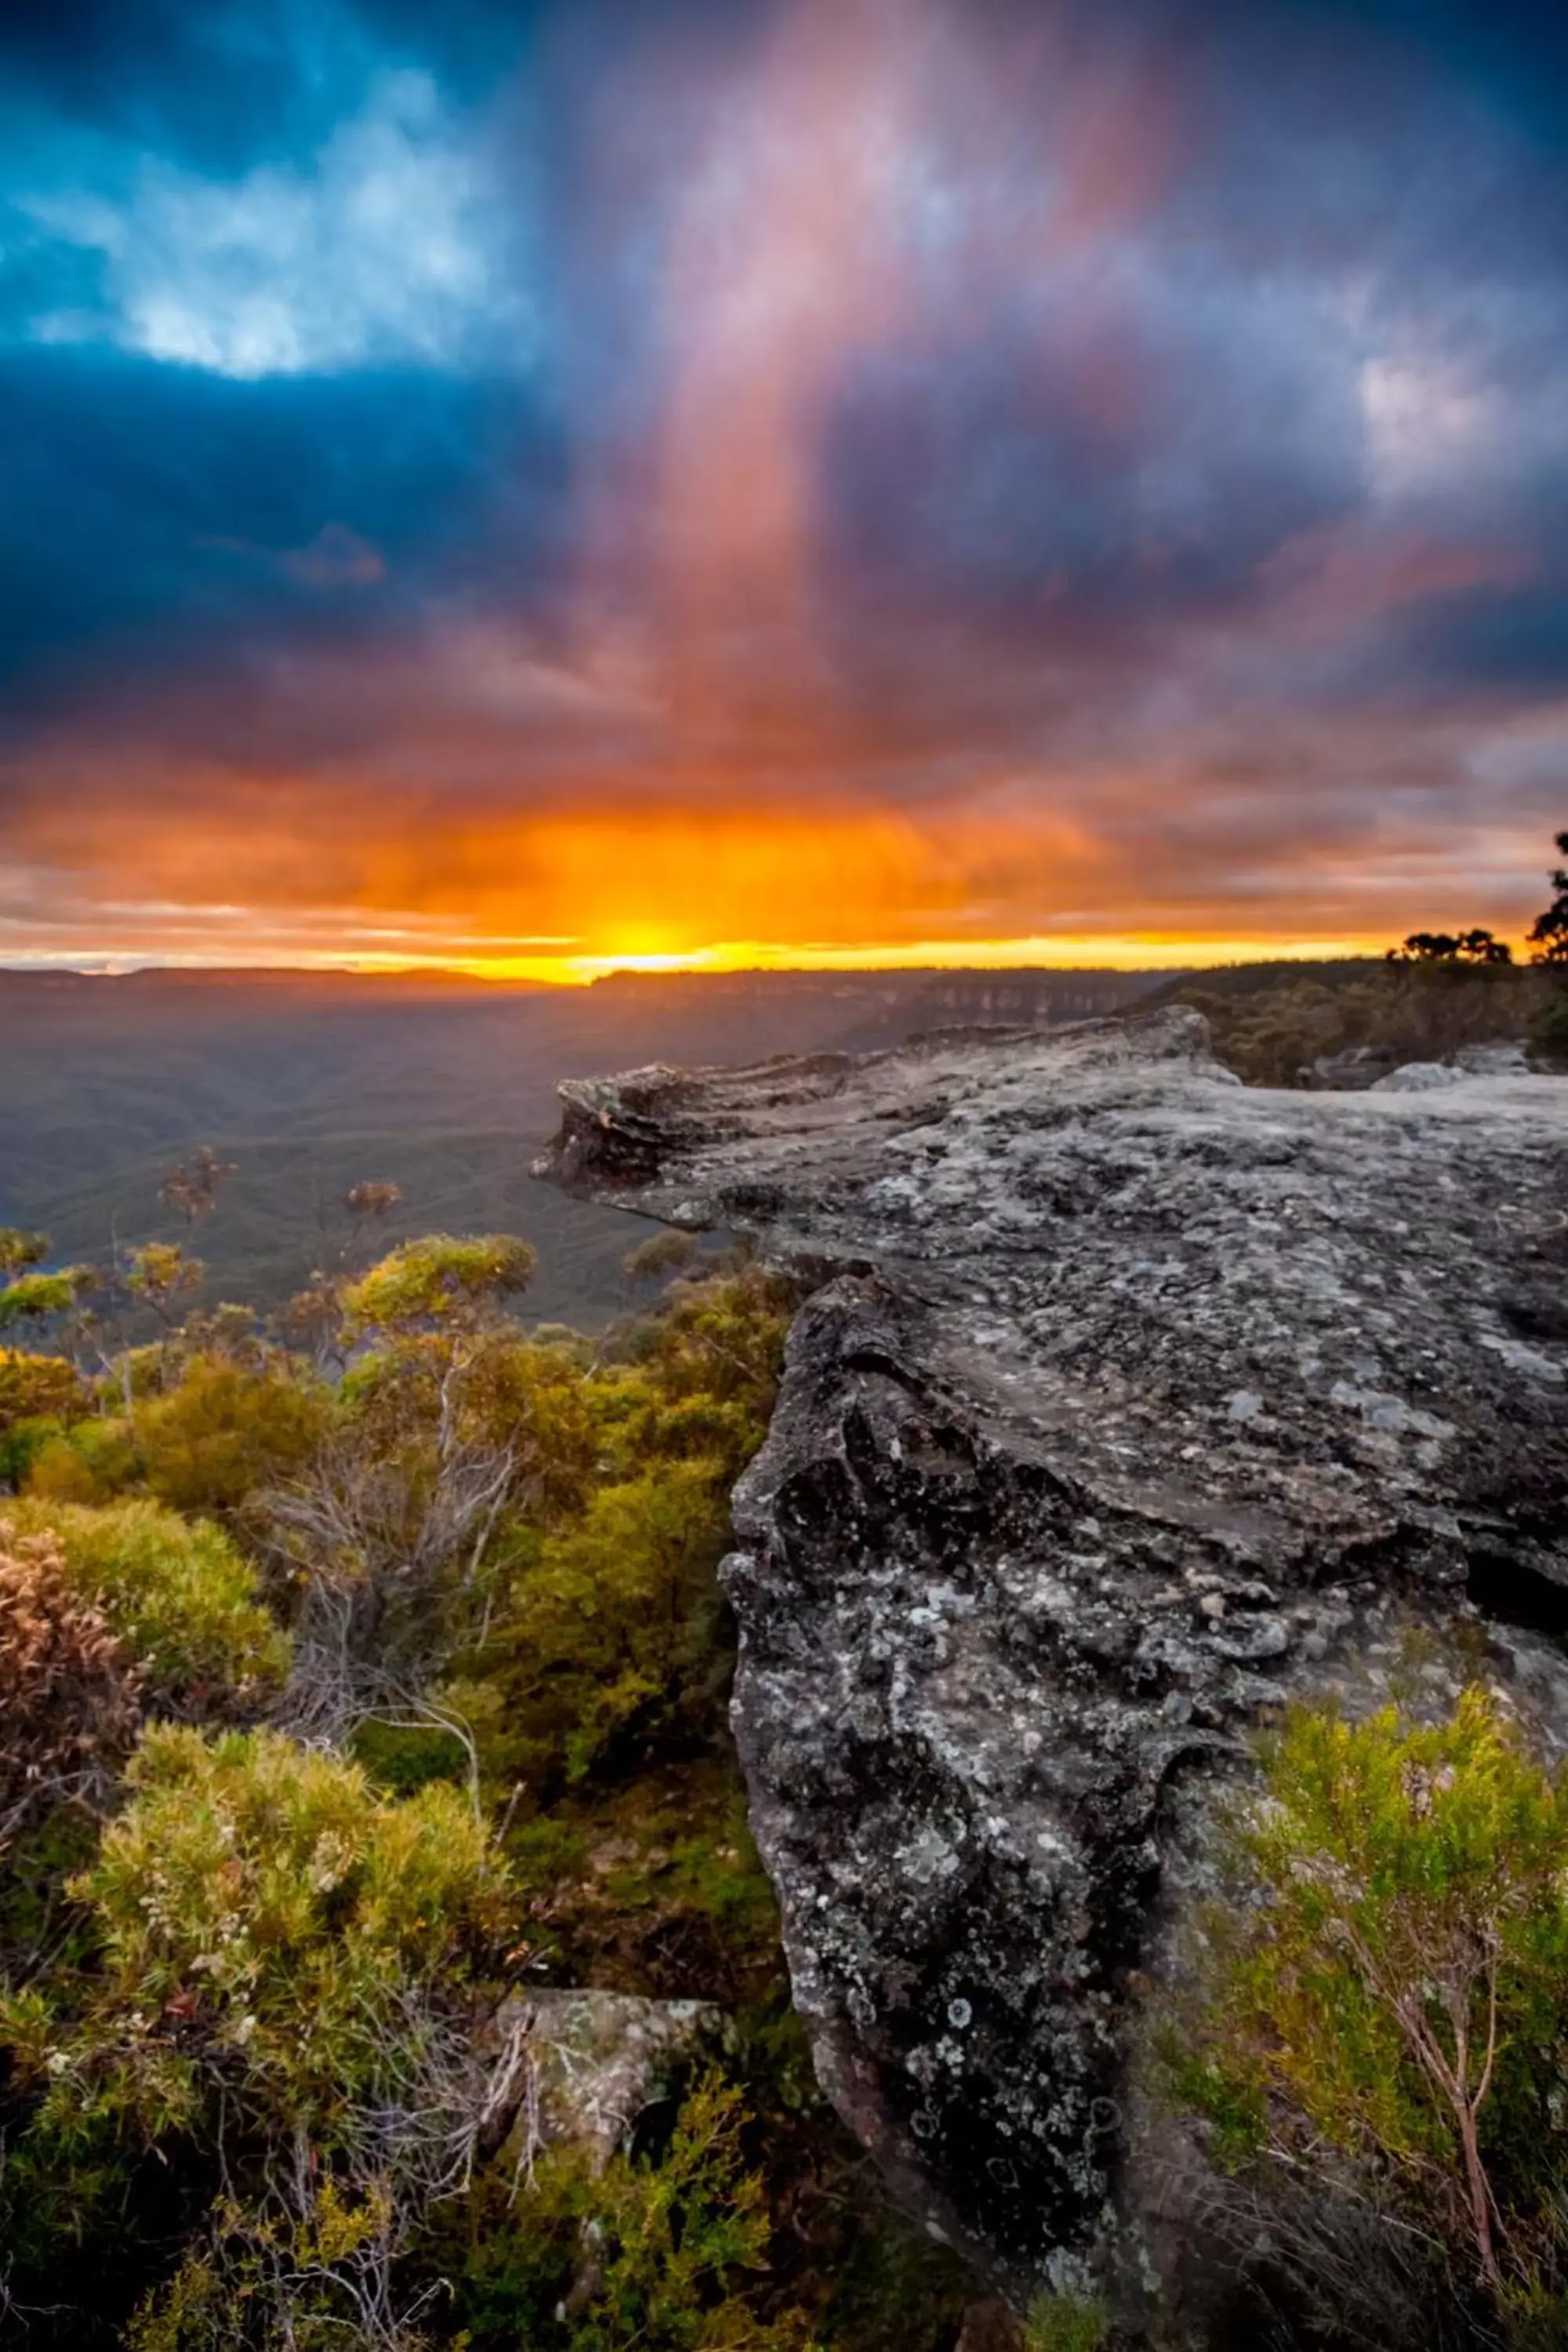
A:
33,1387
499,1390
280,2285
19,1249
1271,1035
226,1431
176,1591
709,1362
22,1443
652,1884
285,1962
37,1917
1396,1996
37,1297
1066,2323
274,1954
89,1461
437,1279
1549,1030
666,2254
609,1644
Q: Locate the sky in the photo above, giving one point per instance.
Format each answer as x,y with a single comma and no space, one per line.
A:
778,481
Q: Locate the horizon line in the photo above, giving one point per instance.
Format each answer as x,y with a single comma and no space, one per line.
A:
477,976
1127,954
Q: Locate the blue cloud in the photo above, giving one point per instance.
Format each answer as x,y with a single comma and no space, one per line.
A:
395,239
170,509
1198,377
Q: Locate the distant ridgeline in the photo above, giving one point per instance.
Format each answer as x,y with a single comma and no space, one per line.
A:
854,1011
441,1085
1033,997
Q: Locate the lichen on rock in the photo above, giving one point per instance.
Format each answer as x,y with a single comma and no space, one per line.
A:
1130,1402
593,2062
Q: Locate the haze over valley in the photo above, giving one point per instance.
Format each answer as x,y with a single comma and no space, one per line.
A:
447,1089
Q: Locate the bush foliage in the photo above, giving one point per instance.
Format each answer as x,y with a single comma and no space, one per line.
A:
651,2250
72,1692
178,1594
224,1432
255,1902
34,1388
1397,1992
362,1674
438,1277
1277,1034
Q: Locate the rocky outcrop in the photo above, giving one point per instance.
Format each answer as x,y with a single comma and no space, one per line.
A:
1130,1402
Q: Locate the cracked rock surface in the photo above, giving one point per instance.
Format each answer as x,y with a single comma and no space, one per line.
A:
1131,1403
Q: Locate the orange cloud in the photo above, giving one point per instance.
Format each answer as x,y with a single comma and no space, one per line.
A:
267,872
757,714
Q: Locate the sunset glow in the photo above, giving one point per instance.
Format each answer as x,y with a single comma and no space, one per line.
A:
825,482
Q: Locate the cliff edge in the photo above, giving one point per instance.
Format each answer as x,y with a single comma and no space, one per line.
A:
1131,1403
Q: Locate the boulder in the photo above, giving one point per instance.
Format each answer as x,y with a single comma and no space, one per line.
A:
593,2064
1419,1078
1129,1403
1502,1057
1351,1069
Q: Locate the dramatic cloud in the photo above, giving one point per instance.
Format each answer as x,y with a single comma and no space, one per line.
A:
816,476
387,246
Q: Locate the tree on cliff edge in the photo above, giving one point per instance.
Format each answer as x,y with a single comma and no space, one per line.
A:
1549,934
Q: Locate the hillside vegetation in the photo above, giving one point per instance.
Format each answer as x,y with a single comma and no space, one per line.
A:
353,1687
1348,1023
365,1685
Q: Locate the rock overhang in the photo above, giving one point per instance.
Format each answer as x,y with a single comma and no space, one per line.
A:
1131,1403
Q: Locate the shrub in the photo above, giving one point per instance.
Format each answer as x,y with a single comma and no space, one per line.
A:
290,1979
163,1277
1397,1995
19,1249
610,1641
176,1593
720,1344
388,1529
89,1462
1066,2323
35,1298
314,2283
660,1256
656,2252
249,2061
226,1431
71,1696
503,1395
1549,1030
437,1279
34,1388
1418,1011
37,1395
482,1482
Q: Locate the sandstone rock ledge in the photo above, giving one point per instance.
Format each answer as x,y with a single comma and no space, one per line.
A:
1131,1402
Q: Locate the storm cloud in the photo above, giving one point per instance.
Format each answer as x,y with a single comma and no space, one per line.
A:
827,476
